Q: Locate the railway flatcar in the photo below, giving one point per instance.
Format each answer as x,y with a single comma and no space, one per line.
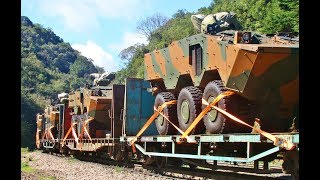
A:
205,99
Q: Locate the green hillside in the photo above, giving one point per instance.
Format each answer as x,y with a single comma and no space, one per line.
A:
48,66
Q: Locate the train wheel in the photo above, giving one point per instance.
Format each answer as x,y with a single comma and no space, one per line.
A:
161,162
192,166
66,151
189,107
213,120
150,160
162,124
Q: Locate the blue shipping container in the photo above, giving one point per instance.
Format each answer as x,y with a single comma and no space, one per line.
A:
138,107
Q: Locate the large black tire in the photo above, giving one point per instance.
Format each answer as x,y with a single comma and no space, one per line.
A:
163,126
189,107
213,120
161,162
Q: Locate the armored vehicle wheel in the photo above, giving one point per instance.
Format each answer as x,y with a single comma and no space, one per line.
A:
162,124
189,107
213,120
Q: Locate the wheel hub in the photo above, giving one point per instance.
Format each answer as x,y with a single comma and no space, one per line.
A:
212,115
185,111
160,120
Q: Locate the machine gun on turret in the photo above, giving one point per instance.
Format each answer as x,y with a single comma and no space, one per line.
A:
103,79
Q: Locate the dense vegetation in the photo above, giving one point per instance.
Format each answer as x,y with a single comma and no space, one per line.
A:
48,66
265,16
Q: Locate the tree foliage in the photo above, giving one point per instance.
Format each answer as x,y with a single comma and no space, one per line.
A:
149,24
133,57
265,16
48,66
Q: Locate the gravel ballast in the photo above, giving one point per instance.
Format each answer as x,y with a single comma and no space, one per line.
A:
70,168
47,166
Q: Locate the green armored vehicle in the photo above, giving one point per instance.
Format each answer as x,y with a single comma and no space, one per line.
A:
262,70
102,102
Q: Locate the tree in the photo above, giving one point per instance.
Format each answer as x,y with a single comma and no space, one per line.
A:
100,70
265,16
137,50
281,16
127,54
180,13
82,67
149,24
45,64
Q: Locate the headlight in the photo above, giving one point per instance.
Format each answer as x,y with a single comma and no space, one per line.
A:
242,37
246,37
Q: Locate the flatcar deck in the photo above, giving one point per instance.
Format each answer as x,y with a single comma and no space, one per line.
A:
173,141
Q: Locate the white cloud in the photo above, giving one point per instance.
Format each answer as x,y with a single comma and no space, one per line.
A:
121,8
128,39
83,15
77,16
99,55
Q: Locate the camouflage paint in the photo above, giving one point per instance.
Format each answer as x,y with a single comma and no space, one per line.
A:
98,109
266,73
234,62
96,106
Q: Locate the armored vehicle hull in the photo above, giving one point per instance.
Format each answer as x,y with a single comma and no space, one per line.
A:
264,75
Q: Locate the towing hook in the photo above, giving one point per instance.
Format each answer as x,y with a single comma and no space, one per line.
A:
163,145
213,146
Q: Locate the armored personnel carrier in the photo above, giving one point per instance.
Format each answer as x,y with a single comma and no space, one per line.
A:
262,70
96,102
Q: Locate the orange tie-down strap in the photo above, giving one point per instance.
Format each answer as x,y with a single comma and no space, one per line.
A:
37,139
44,135
177,128
71,129
276,140
151,119
205,111
84,130
50,133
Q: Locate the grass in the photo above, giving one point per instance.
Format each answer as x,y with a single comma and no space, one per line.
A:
72,159
25,159
119,169
26,168
24,150
47,178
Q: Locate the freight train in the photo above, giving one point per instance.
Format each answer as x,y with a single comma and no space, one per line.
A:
232,96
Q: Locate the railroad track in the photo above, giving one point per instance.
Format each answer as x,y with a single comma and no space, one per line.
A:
223,170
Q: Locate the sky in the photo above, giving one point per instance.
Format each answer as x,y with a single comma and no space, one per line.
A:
100,29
